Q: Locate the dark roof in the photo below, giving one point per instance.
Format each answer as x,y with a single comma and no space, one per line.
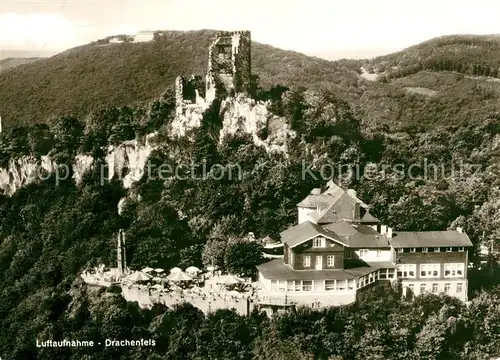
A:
278,270
312,201
358,236
334,204
341,208
305,231
369,218
450,238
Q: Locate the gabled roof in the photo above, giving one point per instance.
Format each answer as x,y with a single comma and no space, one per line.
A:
312,201
341,208
305,231
369,218
278,270
403,239
358,236
334,204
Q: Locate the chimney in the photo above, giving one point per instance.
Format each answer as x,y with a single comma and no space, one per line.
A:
389,232
356,212
460,230
316,191
383,229
352,193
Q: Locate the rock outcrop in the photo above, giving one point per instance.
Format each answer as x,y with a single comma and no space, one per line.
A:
126,162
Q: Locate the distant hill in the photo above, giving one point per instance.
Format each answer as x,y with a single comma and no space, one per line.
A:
18,53
10,63
444,81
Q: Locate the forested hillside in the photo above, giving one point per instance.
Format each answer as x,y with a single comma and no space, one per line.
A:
49,233
79,80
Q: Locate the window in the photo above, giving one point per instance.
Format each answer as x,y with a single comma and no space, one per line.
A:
423,288
329,285
348,254
407,270
307,261
454,270
330,261
379,253
461,249
363,253
298,286
341,284
459,287
425,249
434,288
437,249
281,285
413,250
446,288
391,273
383,274
429,270
350,284
400,250
307,285
449,249
318,242
274,285
290,286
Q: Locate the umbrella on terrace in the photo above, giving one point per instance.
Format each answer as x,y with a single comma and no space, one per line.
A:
192,270
234,293
175,270
147,269
138,276
179,276
159,271
229,280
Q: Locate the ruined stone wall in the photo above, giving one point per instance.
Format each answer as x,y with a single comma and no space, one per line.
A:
242,61
229,64
179,88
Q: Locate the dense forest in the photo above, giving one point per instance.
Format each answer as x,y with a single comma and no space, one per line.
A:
459,70
49,233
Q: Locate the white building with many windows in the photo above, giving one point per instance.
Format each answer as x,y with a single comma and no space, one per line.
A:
339,248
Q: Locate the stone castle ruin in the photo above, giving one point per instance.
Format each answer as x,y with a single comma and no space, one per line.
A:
229,80
228,73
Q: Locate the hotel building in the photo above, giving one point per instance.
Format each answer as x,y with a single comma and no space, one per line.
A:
338,248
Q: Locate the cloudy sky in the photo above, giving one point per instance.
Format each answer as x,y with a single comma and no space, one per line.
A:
326,28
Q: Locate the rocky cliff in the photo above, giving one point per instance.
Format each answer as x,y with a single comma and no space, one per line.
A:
127,162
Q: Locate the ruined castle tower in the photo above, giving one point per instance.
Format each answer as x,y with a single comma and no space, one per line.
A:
121,253
229,71
229,64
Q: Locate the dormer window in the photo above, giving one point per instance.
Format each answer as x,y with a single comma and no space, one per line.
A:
449,249
437,249
318,242
413,250
400,250
461,249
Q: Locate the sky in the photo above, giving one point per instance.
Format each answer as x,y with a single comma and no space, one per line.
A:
325,28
